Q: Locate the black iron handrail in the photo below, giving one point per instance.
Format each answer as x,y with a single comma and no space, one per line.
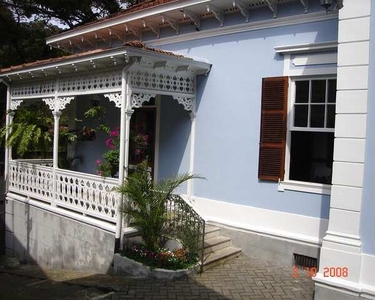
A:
186,225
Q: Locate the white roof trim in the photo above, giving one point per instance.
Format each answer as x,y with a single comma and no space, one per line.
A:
137,15
305,48
122,51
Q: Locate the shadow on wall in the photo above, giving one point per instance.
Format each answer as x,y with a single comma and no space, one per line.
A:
49,240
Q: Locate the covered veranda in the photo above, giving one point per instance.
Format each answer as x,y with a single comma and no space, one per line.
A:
128,76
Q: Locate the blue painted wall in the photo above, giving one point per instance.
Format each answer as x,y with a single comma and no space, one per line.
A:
368,200
90,151
174,143
228,122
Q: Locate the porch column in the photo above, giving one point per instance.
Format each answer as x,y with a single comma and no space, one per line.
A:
56,117
8,122
193,117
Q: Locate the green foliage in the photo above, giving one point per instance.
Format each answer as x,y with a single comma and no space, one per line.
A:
146,203
95,112
31,130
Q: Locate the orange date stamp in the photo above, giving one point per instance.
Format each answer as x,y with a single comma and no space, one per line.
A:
327,272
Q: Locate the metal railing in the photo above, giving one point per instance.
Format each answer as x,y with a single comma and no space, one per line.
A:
186,225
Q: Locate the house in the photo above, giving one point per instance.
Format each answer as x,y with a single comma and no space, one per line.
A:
270,100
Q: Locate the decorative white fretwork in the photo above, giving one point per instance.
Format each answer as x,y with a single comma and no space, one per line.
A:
31,180
92,82
33,88
115,97
50,102
187,102
14,104
152,80
59,104
89,194
139,99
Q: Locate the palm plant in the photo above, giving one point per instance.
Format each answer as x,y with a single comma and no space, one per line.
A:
146,203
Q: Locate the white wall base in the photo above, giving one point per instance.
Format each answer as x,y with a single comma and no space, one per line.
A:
275,224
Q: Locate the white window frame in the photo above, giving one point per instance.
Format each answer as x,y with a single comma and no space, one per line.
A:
302,186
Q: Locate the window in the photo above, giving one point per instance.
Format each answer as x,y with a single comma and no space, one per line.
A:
302,150
311,132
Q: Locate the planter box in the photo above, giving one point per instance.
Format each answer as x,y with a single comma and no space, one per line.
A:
127,266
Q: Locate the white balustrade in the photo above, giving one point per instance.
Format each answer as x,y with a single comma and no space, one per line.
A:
88,194
32,180
91,195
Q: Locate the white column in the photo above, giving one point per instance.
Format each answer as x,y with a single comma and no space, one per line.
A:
190,187
56,125
8,121
342,243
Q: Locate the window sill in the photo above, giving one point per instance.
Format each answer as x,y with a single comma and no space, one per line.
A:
307,187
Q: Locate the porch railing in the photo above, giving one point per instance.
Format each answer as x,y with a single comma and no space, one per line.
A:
31,180
186,225
87,194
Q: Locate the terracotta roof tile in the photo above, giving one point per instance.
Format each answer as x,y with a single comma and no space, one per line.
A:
131,9
134,44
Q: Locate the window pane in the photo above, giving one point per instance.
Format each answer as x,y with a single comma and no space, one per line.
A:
318,91
317,116
311,156
300,115
332,91
302,91
331,116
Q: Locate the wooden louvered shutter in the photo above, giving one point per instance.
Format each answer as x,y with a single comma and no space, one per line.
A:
273,128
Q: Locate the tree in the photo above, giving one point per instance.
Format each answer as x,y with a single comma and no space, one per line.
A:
70,13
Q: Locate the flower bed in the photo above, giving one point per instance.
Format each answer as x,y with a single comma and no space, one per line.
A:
137,261
164,258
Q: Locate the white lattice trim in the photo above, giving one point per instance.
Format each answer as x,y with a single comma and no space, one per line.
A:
91,82
33,89
14,104
153,80
116,98
139,99
50,102
187,102
59,104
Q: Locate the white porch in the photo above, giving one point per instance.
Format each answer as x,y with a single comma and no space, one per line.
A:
127,76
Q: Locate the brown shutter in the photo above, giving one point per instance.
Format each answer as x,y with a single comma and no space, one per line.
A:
273,128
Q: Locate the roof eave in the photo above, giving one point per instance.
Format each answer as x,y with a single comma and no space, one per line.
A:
152,11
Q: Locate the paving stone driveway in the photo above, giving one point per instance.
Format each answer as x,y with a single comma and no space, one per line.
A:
241,278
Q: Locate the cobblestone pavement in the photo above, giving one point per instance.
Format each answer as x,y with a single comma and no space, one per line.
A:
241,278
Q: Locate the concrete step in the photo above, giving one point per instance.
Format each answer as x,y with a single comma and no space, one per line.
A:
219,257
211,231
216,243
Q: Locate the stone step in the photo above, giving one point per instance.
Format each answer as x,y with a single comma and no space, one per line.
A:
216,243
220,257
211,231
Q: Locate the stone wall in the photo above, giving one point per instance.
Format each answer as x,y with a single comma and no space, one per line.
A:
50,240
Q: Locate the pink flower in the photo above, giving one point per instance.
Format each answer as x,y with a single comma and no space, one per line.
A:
109,143
98,162
114,133
138,151
111,146
146,138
